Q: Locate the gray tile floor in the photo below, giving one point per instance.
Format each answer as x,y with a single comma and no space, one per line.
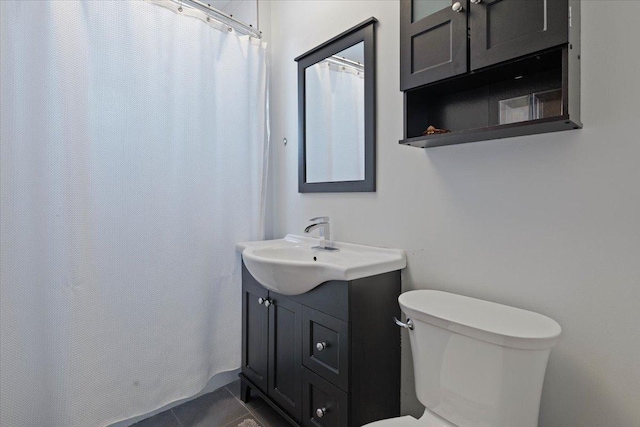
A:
220,408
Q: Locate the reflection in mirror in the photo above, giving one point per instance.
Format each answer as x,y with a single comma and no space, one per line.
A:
334,115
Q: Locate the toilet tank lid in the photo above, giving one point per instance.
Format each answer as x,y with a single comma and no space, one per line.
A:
487,321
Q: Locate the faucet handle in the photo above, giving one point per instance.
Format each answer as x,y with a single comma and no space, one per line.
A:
320,218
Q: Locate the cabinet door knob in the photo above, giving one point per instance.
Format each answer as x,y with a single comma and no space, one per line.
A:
457,7
268,302
320,412
260,300
476,1
321,346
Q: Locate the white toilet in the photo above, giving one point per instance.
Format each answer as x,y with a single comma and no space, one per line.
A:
476,363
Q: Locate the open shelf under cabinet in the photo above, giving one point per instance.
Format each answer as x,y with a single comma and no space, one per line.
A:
470,105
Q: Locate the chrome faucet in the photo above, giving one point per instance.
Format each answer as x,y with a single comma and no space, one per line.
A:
322,224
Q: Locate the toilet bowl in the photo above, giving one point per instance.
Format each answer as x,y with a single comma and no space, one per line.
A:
476,363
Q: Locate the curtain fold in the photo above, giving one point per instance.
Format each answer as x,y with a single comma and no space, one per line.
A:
133,147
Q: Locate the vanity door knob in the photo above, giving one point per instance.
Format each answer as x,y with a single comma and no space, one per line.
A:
320,412
457,7
261,301
321,346
268,302
476,1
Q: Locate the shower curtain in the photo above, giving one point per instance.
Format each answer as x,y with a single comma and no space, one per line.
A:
132,159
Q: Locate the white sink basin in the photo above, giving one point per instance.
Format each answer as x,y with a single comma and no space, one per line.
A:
290,266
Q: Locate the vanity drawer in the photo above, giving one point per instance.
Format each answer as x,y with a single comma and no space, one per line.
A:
323,404
325,344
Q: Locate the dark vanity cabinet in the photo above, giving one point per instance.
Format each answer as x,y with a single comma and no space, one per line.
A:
486,69
326,358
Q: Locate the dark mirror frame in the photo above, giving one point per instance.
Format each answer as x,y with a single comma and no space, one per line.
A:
363,32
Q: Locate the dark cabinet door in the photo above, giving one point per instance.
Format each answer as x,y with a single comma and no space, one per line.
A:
255,332
433,41
506,29
285,349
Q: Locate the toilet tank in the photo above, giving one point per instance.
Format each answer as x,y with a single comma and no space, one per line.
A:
478,363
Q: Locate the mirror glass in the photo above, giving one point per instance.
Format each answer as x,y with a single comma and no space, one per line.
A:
334,117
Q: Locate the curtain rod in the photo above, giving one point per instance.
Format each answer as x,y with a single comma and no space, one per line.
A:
222,17
347,60
344,62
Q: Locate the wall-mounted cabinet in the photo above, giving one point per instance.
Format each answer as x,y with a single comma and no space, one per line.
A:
484,69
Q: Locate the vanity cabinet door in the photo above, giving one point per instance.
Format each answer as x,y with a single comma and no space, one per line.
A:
285,347
433,41
502,30
255,331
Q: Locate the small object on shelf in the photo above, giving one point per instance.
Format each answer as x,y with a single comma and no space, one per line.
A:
515,110
547,104
432,130
538,105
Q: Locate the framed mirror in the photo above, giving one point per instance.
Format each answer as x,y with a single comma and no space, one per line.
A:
336,113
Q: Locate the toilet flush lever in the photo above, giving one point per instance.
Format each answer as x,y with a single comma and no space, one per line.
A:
408,325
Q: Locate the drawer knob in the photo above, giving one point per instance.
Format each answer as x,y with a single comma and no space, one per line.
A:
457,7
320,412
321,346
260,300
476,1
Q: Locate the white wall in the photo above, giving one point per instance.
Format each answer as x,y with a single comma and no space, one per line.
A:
548,223
243,10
